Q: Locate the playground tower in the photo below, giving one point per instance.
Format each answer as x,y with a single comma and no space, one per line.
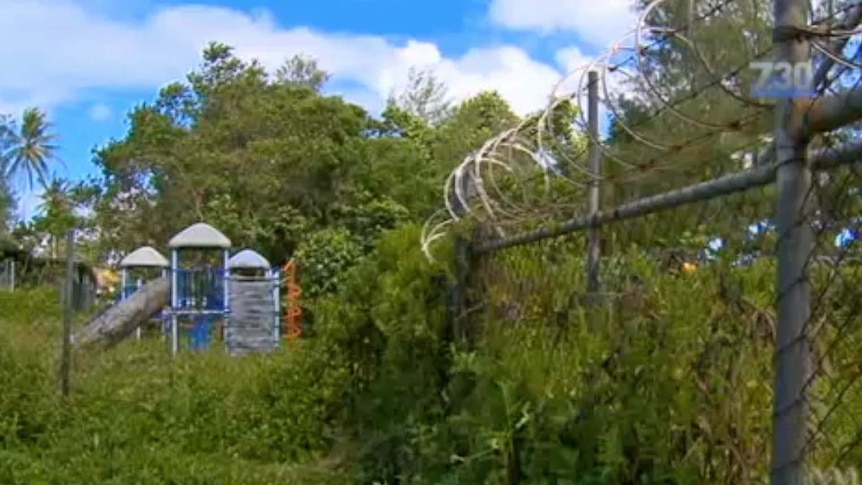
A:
199,295
254,302
139,266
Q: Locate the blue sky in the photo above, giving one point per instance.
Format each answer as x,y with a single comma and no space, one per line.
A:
87,62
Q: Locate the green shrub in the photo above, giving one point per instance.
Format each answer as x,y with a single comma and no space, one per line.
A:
389,322
324,259
553,391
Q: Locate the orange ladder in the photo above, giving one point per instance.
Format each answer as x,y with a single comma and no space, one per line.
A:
293,313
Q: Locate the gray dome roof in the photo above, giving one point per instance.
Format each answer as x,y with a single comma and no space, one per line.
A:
200,235
248,259
144,257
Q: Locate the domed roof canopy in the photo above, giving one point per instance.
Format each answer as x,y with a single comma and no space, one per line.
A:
248,259
144,257
199,236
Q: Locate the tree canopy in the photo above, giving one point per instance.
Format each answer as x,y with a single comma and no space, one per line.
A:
269,159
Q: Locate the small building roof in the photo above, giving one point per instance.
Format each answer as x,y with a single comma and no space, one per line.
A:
200,235
248,259
144,257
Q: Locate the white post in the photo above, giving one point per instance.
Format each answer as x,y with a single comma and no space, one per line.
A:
175,335
163,273
274,275
124,277
226,303
138,285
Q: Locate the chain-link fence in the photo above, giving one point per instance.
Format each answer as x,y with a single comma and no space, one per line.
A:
7,273
20,270
690,276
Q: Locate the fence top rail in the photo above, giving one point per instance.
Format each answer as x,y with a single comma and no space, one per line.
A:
822,159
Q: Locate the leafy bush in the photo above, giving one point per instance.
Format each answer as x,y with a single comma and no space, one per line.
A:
324,258
371,218
654,387
389,322
552,390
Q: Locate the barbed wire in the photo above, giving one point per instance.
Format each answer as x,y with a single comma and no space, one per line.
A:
700,148
547,151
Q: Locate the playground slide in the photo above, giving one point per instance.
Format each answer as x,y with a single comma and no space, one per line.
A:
119,321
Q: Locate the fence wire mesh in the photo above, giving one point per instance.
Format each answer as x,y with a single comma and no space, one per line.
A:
670,364
833,388
720,343
24,271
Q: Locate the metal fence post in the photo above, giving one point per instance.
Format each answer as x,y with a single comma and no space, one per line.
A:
459,287
68,309
795,242
593,235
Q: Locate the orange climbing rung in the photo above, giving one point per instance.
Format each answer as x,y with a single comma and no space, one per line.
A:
293,314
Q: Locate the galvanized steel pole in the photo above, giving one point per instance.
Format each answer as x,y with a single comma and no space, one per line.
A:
593,234
795,243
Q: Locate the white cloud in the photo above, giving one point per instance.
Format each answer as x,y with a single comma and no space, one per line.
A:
71,50
571,58
573,62
29,202
597,23
100,112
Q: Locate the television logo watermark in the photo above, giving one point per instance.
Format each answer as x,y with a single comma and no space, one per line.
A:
832,476
781,79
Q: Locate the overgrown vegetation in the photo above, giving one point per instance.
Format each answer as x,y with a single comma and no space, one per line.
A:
137,416
669,380
658,387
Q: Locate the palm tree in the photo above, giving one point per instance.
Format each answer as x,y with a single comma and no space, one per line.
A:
29,150
7,205
58,212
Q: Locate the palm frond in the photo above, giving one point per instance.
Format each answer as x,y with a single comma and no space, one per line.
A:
31,148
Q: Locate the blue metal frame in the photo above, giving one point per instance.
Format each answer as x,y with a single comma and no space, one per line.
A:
201,294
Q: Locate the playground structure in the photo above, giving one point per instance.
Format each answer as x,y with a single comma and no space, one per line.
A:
137,267
202,294
293,312
254,291
199,293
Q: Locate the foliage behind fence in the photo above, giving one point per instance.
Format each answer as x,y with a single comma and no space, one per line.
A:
19,270
720,344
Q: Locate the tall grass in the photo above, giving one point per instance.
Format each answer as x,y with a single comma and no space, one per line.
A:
136,415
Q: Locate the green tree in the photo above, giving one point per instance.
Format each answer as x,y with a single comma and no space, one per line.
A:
425,97
30,147
688,117
302,71
473,122
8,203
261,158
7,196
7,208
270,160
58,214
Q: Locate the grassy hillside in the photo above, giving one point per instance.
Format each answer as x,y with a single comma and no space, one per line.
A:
668,382
138,416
